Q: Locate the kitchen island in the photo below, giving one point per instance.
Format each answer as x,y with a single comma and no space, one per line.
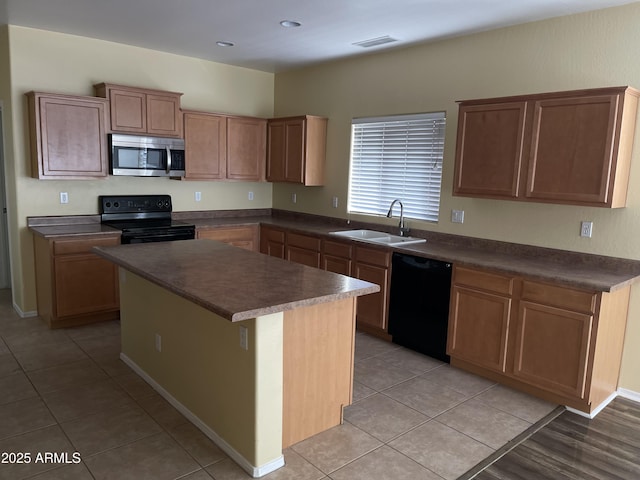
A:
254,350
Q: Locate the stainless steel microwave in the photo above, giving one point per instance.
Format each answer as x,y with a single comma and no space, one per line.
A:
146,156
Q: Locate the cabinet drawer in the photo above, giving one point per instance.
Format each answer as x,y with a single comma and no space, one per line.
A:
372,256
273,235
492,282
61,247
337,249
303,241
557,296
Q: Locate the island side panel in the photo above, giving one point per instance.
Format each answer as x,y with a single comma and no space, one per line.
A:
318,355
235,393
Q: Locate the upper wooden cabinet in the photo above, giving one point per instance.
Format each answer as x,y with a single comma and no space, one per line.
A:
142,111
205,146
223,147
68,136
564,147
246,148
297,150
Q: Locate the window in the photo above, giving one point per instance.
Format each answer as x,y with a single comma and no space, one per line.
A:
397,157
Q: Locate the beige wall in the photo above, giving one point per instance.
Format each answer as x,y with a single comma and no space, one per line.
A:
239,397
582,51
52,62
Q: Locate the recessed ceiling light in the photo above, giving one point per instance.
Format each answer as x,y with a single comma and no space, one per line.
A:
290,23
225,44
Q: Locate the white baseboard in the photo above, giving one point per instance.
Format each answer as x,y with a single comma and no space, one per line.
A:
254,471
629,394
33,313
597,410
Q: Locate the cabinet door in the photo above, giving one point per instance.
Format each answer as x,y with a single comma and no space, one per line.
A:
303,256
303,249
573,149
205,146
163,115
372,309
552,348
336,257
489,149
68,137
84,284
276,151
335,264
128,111
246,143
478,327
272,242
294,150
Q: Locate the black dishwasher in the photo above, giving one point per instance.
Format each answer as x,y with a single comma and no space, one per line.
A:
419,304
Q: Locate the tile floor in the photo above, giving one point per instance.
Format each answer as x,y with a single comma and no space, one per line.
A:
66,391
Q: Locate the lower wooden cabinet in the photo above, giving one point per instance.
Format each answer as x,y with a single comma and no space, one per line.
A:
245,236
337,257
272,241
303,249
365,263
560,343
74,285
373,265
480,309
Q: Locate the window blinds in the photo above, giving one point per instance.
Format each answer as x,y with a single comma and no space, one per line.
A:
397,157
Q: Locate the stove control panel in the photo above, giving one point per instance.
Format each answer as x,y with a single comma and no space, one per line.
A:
120,204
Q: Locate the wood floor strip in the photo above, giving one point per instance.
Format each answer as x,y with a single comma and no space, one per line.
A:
512,444
571,447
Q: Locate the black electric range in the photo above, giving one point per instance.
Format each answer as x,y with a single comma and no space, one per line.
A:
143,218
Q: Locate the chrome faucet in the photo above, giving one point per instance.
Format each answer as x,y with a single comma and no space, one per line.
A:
403,230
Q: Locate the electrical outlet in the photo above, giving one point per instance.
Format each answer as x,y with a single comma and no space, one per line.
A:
158,342
334,202
198,196
244,338
457,216
586,229
294,198
64,197
250,196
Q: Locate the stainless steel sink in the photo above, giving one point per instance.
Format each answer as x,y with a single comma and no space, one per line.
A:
380,238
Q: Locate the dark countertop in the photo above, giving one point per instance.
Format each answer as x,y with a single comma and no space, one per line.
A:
585,271
234,283
71,226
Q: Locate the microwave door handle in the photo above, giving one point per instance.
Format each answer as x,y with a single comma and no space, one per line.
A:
168,160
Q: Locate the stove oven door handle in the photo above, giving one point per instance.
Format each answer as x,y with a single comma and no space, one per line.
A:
168,160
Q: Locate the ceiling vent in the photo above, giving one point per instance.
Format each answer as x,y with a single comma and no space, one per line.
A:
376,41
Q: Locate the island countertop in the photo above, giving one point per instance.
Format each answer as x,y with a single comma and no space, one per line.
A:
234,283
